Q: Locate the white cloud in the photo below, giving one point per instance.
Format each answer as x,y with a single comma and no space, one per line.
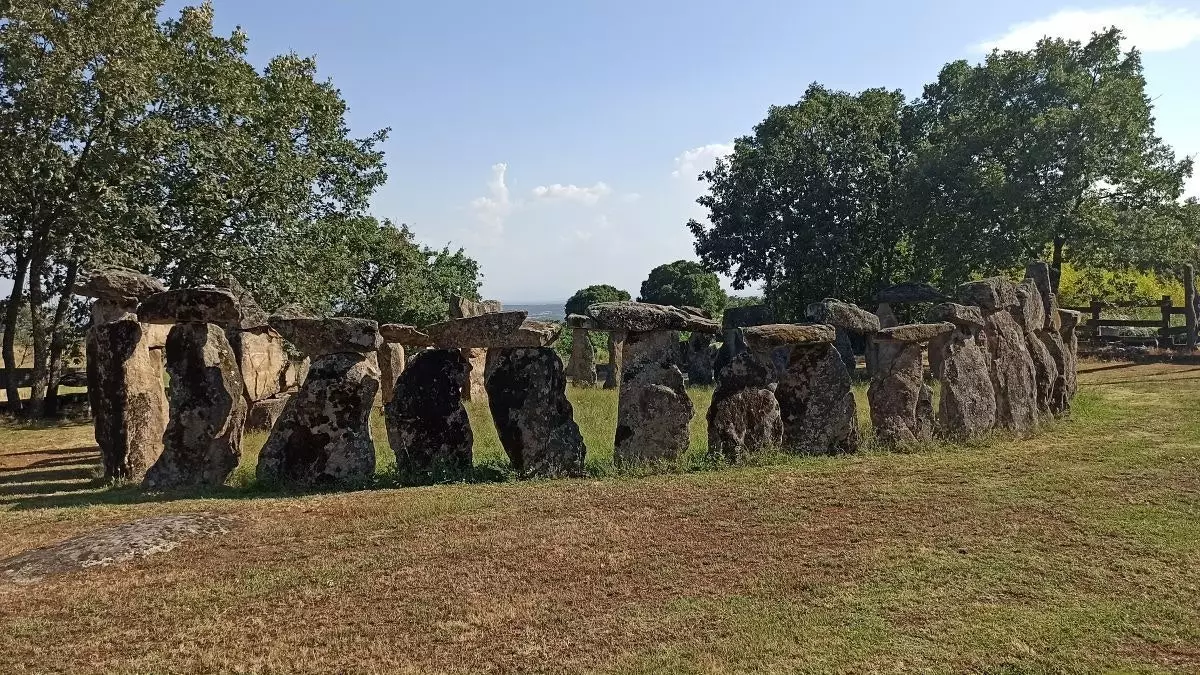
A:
692,162
1150,28
495,208
573,193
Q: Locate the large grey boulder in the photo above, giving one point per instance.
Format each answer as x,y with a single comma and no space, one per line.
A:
843,315
252,313
1031,316
767,337
129,405
117,285
461,308
913,332
744,417
816,402
324,432
1068,323
427,425
480,331
744,317
898,399
965,317
391,363
526,391
196,305
990,295
653,408
263,414
1038,274
967,407
1011,369
582,367
262,360
646,317
202,443
319,336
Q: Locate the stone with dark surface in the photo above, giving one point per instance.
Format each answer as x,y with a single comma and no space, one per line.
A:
479,331
529,335
698,353
582,367
112,545
1031,317
744,317
125,390
526,390
990,295
199,305
319,336
427,424
967,406
770,336
1060,395
461,308
895,395
107,311
262,360
909,293
817,403
252,313
653,408
964,316
117,284
324,433
645,317
744,417
263,414
843,315
616,350
913,332
879,353
202,443
409,336
391,363
1011,369
1068,323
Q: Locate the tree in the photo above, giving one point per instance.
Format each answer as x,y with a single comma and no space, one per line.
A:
1038,151
684,282
811,203
584,297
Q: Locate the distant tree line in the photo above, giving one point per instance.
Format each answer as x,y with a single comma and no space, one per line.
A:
156,145
1048,153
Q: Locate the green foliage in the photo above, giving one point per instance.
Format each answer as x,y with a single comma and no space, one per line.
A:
578,303
1080,285
684,282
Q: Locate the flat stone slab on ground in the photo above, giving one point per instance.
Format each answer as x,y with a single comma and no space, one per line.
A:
112,545
329,335
770,336
644,317
199,305
481,331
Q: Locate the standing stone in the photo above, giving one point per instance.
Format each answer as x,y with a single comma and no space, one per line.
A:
526,390
744,417
1031,317
1010,366
427,425
967,407
461,308
816,401
125,389
879,354
261,359
1068,322
699,359
263,414
616,352
324,432
653,409
391,364
475,389
895,396
202,443
582,367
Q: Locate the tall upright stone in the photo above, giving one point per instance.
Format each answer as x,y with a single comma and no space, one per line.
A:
1068,323
901,402
653,408
1030,315
391,364
744,417
967,407
582,367
427,425
526,390
1010,365
847,319
125,390
464,308
698,358
816,399
616,352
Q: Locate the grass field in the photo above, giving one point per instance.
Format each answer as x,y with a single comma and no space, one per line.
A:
1074,551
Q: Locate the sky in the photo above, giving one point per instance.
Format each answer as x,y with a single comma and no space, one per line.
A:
559,143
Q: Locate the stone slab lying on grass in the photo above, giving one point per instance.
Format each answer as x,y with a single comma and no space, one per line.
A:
644,317
112,545
770,336
186,305
329,335
482,331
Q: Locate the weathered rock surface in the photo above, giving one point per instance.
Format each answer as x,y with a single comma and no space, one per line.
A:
744,317
645,317
319,336
526,389
653,409
107,311
616,353
262,360
409,336
1031,316
913,332
967,406
461,308
264,413
112,545
391,364
582,367
202,443
580,321
1060,395
964,316
427,424
843,315
125,390
698,353
481,331
199,305
910,292
1011,369
989,295
293,310
896,396
1068,323
529,335
252,313
816,403
879,353
1038,275
770,336
118,285
324,433
744,417
475,389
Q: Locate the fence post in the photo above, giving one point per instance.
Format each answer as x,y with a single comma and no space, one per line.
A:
1189,304
1097,307
1165,305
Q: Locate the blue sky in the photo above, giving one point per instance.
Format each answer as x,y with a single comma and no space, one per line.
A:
559,142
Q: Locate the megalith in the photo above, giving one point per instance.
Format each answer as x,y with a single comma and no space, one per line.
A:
464,308
427,424
526,389
391,364
324,431
1068,321
698,358
967,405
901,402
1010,365
1030,315
847,319
583,359
744,417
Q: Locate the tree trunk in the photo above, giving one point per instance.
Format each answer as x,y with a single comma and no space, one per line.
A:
12,315
58,340
37,329
1056,262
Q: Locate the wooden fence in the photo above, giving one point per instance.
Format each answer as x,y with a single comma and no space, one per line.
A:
1166,309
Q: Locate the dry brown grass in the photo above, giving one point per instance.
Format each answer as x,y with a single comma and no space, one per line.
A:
1078,550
